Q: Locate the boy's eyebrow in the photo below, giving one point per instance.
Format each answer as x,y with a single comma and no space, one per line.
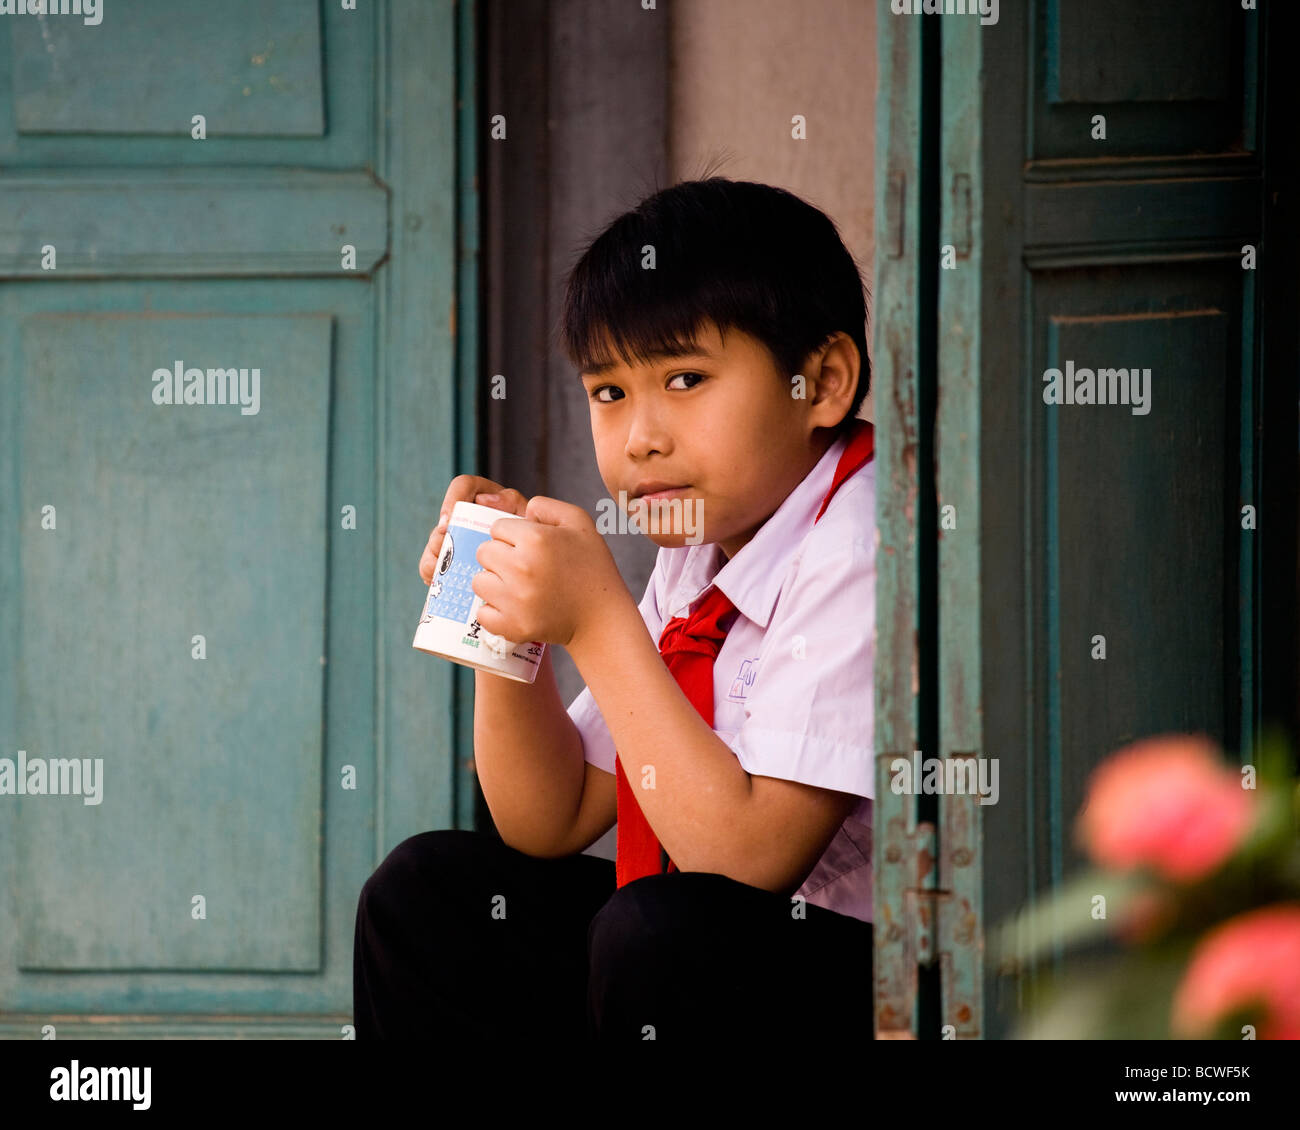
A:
656,355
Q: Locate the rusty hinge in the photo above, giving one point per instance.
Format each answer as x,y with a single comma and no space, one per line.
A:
940,904
927,893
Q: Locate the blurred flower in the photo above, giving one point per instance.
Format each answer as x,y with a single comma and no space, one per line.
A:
1253,958
1168,803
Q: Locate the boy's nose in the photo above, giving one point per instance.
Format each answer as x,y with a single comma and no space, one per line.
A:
646,437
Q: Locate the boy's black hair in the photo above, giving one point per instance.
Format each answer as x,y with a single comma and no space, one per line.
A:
737,253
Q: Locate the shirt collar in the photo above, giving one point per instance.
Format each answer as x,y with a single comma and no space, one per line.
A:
752,579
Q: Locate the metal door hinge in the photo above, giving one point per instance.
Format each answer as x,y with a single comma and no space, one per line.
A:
937,876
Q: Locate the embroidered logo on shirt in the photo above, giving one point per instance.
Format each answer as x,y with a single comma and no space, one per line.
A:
744,680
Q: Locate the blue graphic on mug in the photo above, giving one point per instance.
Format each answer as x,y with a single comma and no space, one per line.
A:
450,595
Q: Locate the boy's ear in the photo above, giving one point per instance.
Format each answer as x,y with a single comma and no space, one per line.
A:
833,370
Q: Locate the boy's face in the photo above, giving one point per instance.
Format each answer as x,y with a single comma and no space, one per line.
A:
720,425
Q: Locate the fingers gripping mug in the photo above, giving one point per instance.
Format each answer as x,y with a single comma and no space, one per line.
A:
449,625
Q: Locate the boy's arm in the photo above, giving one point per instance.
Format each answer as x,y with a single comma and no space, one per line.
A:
706,810
528,758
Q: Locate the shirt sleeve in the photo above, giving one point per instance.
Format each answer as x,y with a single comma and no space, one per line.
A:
597,742
812,708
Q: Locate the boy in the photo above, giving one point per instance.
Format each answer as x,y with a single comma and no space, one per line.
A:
726,721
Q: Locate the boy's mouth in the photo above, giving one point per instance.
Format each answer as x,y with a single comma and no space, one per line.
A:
657,490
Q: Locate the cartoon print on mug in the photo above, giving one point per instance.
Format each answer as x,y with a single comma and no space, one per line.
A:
444,563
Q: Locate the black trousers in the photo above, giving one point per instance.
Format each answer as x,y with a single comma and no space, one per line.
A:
460,936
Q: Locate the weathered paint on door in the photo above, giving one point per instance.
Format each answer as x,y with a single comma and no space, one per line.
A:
1015,535
217,600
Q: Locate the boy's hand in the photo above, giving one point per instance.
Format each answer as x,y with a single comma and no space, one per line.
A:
467,488
545,577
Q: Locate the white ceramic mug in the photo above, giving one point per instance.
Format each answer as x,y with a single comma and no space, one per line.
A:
449,626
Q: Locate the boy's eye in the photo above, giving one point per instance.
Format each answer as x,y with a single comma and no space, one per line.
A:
698,377
595,392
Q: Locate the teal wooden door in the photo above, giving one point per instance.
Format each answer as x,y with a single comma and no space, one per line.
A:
1059,578
233,241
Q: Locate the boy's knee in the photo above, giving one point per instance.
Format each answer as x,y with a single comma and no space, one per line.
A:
654,961
640,922
416,860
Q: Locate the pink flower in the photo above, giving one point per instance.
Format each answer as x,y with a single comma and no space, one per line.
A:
1168,803
1253,958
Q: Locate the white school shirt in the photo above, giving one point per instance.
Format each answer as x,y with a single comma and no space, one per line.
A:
792,683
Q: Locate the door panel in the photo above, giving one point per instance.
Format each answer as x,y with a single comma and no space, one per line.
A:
251,70
190,223
1110,525
1134,518
205,595
1013,240
124,92
1172,77
175,523
171,522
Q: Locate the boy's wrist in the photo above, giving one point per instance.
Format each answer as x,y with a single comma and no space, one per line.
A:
606,623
